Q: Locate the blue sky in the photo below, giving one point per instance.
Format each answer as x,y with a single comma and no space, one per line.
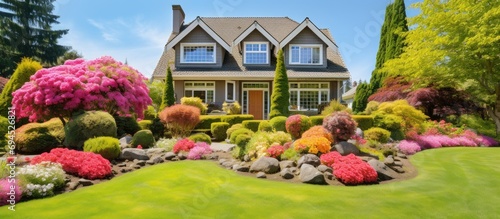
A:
137,31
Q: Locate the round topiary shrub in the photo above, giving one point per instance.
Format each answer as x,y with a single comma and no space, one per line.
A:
241,131
278,123
107,147
241,142
144,138
341,125
265,126
126,125
297,124
36,138
377,134
219,129
201,137
232,129
87,125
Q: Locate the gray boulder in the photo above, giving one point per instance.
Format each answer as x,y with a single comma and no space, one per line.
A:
170,155
286,164
323,168
346,148
261,175
383,171
286,173
359,132
309,159
133,153
155,151
309,174
265,164
125,141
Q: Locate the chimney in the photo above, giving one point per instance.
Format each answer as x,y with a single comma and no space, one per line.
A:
178,18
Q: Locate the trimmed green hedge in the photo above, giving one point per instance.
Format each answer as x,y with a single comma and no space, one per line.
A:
242,131
377,134
317,120
207,120
235,119
219,129
364,122
265,126
252,124
144,138
278,123
107,147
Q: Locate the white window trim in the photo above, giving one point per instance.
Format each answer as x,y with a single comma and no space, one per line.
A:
197,88
245,52
197,44
307,46
234,90
298,89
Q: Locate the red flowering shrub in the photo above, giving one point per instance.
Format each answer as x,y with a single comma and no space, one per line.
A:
318,131
183,145
275,150
329,158
350,169
180,119
84,164
341,125
100,84
297,124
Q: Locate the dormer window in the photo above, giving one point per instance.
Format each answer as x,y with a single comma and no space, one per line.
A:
197,52
256,53
306,54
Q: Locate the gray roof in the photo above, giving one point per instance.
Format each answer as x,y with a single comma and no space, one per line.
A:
349,94
228,29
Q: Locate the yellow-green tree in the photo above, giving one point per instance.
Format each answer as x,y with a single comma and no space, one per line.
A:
280,99
455,43
23,72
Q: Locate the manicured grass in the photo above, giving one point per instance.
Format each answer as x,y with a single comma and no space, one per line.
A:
452,183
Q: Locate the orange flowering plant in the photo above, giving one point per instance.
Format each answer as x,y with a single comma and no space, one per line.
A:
318,131
312,145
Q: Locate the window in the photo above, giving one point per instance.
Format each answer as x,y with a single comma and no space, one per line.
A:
198,53
307,96
204,90
306,54
230,91
256,53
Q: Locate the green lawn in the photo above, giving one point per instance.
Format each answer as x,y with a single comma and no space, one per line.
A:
452,183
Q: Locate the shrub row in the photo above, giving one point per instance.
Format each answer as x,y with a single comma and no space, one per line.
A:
207,120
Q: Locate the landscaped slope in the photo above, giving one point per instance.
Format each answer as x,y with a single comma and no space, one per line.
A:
452,183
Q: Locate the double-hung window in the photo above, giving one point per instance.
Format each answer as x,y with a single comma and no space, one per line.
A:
306,54
256,52
205,90
197,52
308,95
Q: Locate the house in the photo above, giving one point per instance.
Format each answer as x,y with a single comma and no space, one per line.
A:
348,96
233,59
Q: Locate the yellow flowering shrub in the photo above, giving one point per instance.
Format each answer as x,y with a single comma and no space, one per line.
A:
312,145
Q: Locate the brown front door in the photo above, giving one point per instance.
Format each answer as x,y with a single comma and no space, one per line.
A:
256,103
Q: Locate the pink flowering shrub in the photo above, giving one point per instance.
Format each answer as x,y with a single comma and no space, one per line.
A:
350,169
5,189
180,119
199,150
84,164
100,84
340,125
297,124
409,147
183,145
489,141
275,150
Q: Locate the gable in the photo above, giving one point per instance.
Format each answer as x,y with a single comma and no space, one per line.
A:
198,35
306,36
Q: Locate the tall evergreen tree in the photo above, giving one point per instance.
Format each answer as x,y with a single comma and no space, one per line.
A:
168,95
280,99
391,46
26,31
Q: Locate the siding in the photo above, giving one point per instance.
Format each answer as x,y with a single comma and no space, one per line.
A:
179,90
198,35
220,92
256,36
305,37
334,90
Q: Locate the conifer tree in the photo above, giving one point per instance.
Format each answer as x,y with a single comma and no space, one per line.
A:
168,95
280,99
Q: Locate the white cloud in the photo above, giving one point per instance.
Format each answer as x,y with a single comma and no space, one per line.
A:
108,33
